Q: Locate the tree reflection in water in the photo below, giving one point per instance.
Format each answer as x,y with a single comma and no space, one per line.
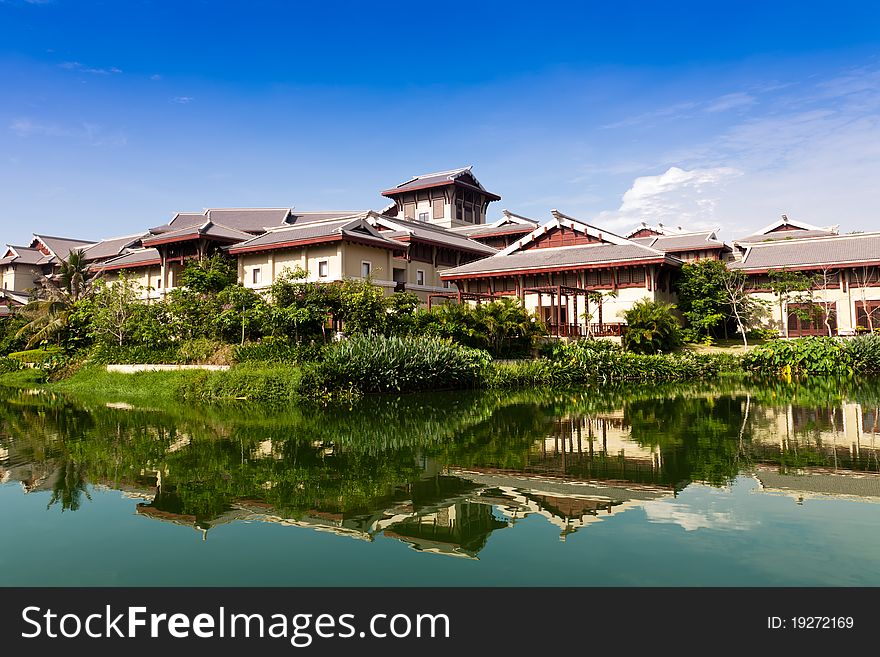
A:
440,472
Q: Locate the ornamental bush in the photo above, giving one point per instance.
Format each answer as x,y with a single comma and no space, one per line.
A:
814,355
652,327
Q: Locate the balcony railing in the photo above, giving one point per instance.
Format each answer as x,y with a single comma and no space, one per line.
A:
604,330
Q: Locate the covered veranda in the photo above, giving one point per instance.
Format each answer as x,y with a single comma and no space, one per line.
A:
561,298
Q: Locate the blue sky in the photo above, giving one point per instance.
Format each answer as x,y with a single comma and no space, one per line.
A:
115,115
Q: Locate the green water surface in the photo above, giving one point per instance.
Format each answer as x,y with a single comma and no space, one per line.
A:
768,484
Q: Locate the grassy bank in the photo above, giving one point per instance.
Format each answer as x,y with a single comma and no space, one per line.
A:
371,364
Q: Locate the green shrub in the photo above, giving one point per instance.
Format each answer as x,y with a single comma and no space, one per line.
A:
504,327
828,356
599,360
864,353
652,327
199,350
37,356
104,354
272,350
279,384
10,365
373,363
532,374
763,333
558,349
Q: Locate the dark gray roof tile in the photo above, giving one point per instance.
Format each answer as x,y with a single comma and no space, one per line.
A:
817,251
573,256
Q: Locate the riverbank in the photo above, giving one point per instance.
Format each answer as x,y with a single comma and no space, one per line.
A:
375,364
368,365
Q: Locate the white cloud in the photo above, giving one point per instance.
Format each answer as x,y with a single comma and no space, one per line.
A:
675,197
182,100
155,76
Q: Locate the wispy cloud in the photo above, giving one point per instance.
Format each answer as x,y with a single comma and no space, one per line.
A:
731,101
25,127
82,68
155,76
90,133
812,152
668,112
740,100
182,100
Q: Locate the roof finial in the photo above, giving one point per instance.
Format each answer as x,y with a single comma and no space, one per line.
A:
785,218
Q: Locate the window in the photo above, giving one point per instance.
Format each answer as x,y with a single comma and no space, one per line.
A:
158,283
366,269
323,269
420,277
438,205
256,276
867,316
423,216
446,284
409,211
809,319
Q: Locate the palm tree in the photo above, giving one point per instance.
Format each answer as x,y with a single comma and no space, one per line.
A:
49,311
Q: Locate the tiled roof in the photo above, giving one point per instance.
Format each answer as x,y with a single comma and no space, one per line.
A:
817,252
488,229
111,247
180,220
62,246
784,235
437,179
140,257
249,220
436,235
325,215
20,298
26,256
677,243
207,229
564,256
349,227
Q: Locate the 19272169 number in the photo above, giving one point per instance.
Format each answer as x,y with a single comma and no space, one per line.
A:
821,622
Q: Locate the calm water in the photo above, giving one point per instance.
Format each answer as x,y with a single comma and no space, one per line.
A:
740,484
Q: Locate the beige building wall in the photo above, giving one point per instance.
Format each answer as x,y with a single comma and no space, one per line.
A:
147,280
19,278
344,260
842,299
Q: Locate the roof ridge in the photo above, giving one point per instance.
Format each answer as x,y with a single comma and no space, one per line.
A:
58,237
443,173
231,208
811,238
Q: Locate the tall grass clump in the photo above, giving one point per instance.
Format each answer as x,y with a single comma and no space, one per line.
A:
592,361
374,363
271,350
265,384
864,353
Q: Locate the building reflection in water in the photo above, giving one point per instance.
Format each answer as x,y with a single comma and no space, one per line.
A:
580,469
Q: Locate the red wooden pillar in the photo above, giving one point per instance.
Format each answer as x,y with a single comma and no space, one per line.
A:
558,308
